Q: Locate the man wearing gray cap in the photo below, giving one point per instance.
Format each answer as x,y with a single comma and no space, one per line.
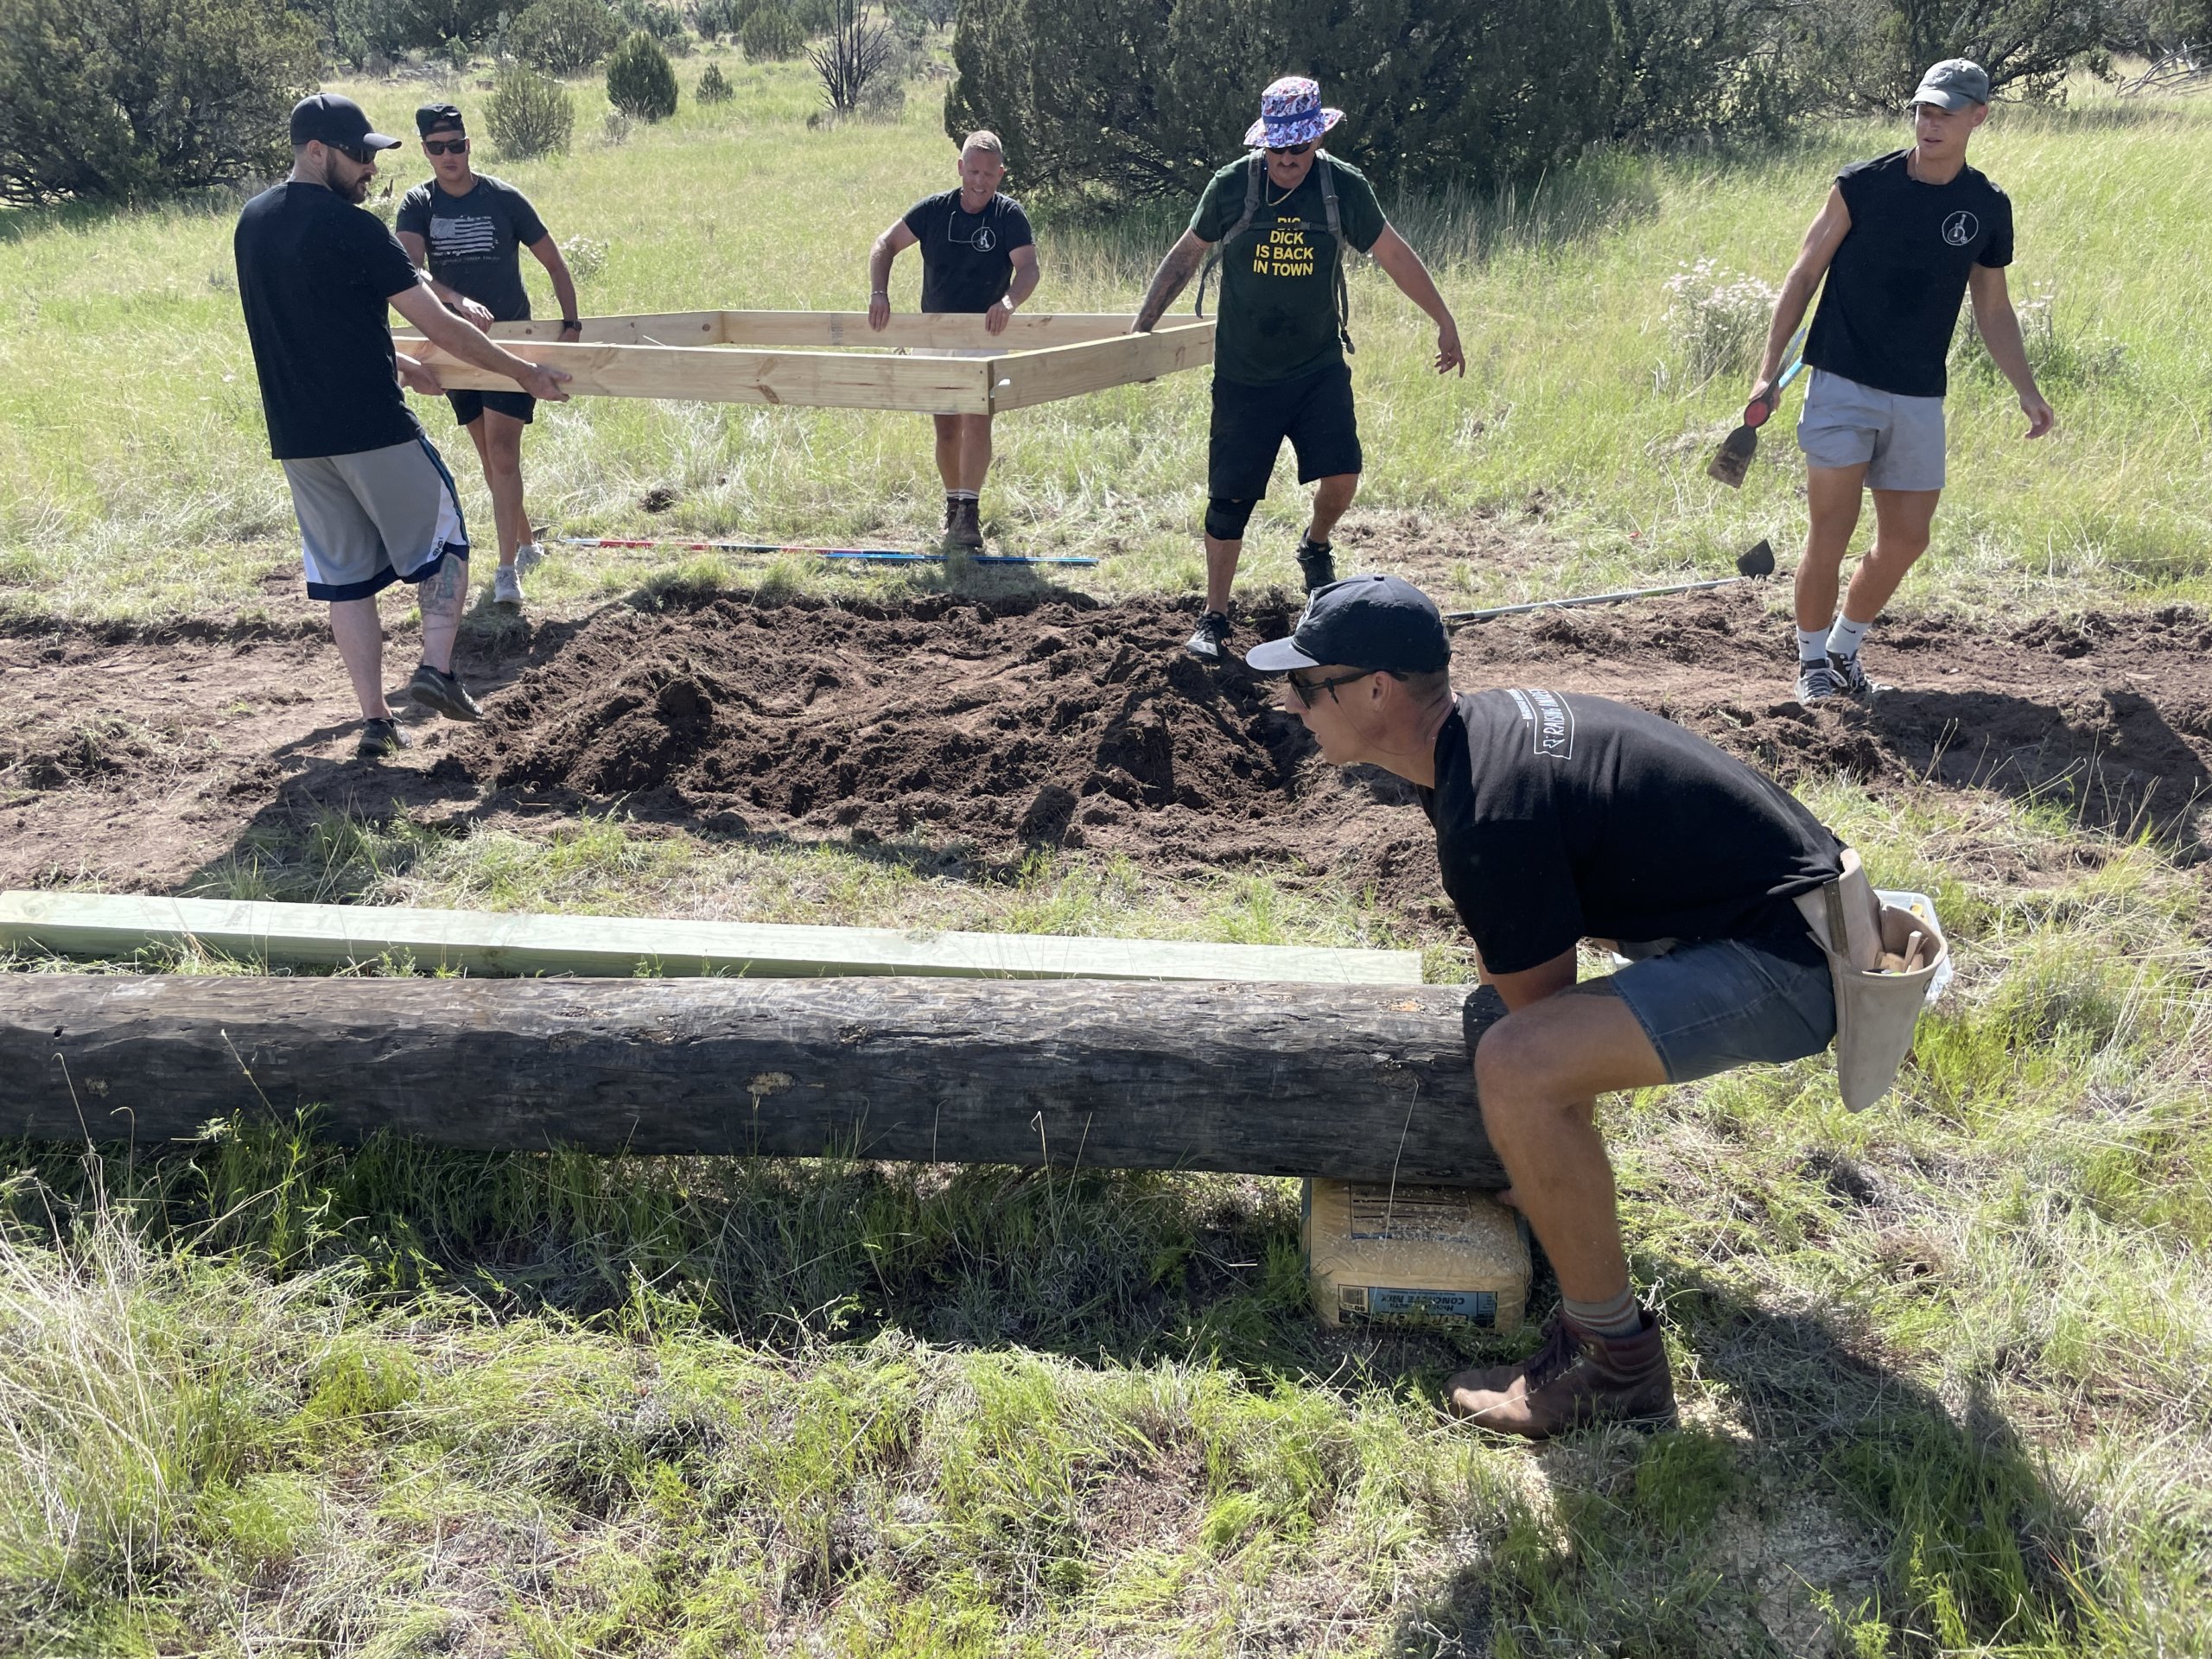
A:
1901,240
1561,817
375,503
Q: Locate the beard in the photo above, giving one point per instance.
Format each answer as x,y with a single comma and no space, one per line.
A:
357,192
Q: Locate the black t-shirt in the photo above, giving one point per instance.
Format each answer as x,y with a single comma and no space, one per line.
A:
1561,818
967,258
1892,301
475,240
314,275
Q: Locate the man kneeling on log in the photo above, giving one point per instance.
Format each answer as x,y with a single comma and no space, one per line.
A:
1559,819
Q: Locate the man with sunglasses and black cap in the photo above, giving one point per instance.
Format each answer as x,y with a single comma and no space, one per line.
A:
468,229
1561,818
1284,217
375,503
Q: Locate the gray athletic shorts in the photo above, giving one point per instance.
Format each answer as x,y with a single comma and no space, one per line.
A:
1712,1005
378,516
1899,440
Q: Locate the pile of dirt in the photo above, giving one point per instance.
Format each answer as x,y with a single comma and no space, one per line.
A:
999,724
966,731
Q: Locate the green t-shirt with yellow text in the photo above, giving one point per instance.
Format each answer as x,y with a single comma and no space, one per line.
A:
1277,315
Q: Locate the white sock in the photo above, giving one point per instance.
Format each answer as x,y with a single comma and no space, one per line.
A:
960,495
1812,647
1844,639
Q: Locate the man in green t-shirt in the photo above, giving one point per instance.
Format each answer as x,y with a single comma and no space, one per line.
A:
1284,219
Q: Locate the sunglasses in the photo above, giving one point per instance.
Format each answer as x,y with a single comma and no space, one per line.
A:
1290,149
445,147
1309,691
360,155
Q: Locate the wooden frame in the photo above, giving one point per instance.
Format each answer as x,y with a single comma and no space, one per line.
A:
833,359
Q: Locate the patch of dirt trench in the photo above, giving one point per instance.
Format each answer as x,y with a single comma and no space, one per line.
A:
981,729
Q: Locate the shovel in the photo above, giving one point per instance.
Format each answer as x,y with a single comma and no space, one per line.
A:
1733,459
1755,561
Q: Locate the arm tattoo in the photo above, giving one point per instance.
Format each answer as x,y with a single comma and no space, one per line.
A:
1167,282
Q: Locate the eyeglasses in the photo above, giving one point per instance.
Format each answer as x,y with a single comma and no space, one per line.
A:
1310,691
360,155
446,147
1290,149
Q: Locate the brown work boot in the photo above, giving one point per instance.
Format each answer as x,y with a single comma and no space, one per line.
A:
1574,1381
964,521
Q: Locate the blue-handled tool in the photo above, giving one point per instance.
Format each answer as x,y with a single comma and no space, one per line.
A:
1733,459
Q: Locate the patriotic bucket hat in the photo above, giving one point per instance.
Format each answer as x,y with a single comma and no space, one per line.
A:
1291,113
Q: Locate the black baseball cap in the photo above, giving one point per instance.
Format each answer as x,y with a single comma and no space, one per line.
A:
432,116
1371,621
331,119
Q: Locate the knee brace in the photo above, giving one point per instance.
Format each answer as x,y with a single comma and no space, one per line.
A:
1225,519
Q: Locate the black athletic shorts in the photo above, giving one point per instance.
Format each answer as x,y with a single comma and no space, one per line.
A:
468,405
1250,423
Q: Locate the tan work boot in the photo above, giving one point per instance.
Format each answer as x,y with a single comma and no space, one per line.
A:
1574,1381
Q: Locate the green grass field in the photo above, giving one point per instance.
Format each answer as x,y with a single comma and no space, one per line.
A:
1942,1363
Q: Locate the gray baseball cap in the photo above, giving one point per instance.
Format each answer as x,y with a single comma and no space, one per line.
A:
1953,84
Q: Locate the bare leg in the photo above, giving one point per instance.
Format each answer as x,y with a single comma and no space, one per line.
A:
1831,495
1901,522
974,451
498,446
360,632
1538,1072
1221,570
948,450
1331,497
440,599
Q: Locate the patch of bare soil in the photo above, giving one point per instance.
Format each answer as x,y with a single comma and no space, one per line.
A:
984,726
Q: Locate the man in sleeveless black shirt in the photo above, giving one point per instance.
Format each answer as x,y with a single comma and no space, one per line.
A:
1901,240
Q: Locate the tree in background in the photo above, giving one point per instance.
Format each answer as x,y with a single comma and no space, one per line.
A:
854,51
529,113
1135,98
714,86
563,37
121,101
639,80
771,34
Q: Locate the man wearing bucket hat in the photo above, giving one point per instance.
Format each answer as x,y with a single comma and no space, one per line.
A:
1900,241
1283,218
1559,819
375,502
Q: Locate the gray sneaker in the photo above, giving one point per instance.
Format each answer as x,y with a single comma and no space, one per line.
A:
1849,675
506,586
527,558
1818,682
443,692
1209,637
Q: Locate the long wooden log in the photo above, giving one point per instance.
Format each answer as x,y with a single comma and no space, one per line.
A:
1363,1083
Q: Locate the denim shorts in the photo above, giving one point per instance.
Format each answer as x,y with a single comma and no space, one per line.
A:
1899,440
1711,1005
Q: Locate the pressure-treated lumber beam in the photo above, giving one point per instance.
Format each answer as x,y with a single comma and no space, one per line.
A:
1367,1084
722,374
1041,377
110,925
1024,331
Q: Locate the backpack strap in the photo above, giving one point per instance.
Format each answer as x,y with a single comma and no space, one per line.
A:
1255,170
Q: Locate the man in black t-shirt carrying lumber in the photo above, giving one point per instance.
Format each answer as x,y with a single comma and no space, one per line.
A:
1561,817
1902,239
468,229
977,256
375,503
1285,216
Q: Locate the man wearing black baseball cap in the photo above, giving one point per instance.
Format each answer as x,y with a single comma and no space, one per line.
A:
374,501
1561,818
1900,241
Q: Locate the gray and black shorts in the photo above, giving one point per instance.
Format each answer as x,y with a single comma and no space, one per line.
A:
374,518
